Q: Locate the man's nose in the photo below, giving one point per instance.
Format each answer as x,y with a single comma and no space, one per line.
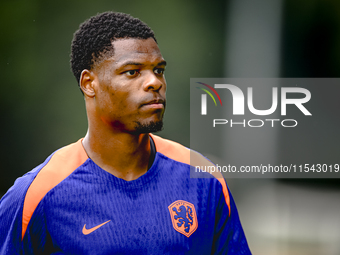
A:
152,82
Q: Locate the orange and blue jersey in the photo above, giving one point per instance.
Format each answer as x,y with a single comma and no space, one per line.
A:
69,205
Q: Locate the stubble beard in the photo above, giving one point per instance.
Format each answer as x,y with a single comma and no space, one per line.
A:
151,127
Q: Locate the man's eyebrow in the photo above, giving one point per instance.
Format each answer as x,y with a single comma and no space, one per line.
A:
163,63
131,63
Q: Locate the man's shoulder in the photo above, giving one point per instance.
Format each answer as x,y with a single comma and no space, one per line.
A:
30,189
182,154
66,159
60,165
179,152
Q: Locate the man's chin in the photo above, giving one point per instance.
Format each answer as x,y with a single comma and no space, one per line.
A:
151,127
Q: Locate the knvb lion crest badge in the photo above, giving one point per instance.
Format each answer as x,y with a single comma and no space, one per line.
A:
183,217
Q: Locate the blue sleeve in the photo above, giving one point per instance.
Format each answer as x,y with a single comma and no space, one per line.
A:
11,206
37,239
229,236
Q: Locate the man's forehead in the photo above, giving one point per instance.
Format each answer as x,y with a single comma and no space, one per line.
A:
128,49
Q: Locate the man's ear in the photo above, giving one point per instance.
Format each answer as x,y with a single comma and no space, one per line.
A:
86,83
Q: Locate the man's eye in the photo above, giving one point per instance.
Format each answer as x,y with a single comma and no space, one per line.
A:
131,72
159,71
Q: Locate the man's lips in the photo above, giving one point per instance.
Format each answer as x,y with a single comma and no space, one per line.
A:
156,103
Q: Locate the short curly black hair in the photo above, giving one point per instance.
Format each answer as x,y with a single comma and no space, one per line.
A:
94,38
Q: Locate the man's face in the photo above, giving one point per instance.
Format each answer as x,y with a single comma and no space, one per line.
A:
130,94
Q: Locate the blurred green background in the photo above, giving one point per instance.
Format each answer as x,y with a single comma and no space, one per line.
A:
42,108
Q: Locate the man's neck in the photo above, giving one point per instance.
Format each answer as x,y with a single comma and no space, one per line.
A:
124,155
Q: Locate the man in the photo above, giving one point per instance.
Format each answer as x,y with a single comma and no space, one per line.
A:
120,190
